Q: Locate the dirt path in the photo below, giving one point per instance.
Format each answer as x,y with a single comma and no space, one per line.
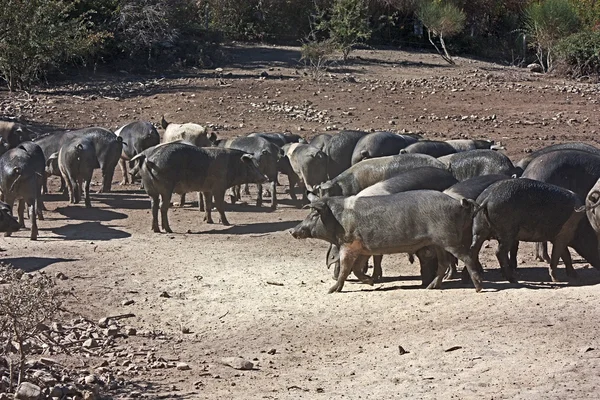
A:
251,290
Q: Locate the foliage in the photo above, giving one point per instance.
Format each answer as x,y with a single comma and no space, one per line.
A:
37,35
441,19
580,52
276,20
588,12
316,55
26,302
549,21
349,24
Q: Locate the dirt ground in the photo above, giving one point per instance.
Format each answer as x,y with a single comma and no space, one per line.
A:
251,290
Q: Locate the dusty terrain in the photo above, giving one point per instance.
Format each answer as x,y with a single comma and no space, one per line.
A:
251,290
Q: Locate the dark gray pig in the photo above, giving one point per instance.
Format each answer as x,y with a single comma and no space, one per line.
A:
577,171
180,168
469,164
339,151
424,178
473,144
472,188
320,141
380,144
432,148
137,136
524,162
397,223
308,163
107,145
76,161
525,210
280,139
21,175
369,172
266,154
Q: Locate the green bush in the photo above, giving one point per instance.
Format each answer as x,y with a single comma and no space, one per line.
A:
580,53
349,24
38,35
548,22
441,19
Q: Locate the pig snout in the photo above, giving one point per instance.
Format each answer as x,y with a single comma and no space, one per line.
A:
300,232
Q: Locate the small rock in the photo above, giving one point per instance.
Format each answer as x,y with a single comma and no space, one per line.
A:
535,67
264,74
28,391
87,395
127,302
165,295
130,331
61,276
272,351
90,379
112,330
181,366
90,343
402,351
185,329
237,363
103,322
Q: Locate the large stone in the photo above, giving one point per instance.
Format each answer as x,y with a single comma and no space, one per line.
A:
28,391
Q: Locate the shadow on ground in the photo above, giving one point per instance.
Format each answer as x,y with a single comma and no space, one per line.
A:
81,213
249,229
31,264
89,231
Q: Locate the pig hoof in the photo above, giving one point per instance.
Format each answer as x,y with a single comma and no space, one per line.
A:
333,289
156,229
7,234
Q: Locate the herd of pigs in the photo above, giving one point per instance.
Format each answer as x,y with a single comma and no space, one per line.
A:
369,193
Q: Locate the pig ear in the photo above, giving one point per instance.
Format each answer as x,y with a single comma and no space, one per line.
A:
52,157
320,206
247,158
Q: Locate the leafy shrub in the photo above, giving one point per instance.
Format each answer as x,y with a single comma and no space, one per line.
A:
37,35
441,19
317,55
547,22
349,24
580,53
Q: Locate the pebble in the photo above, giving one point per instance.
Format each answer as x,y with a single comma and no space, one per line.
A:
90,379
127,302
183,366
237,363
61,276
90,343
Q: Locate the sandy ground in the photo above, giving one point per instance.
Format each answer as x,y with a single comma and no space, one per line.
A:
251,290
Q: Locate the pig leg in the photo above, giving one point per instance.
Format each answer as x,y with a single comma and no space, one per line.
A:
541,252
200,202
349,253
155,205
79,189
10,201
561,241
513,256
377,271
259,198
504,248
274,196
182,200
293,181
33,216
442,267
88,201
208,207
123,165
357,269
21,212
246,190
566,257
471,261
220,206
69,186
164,208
